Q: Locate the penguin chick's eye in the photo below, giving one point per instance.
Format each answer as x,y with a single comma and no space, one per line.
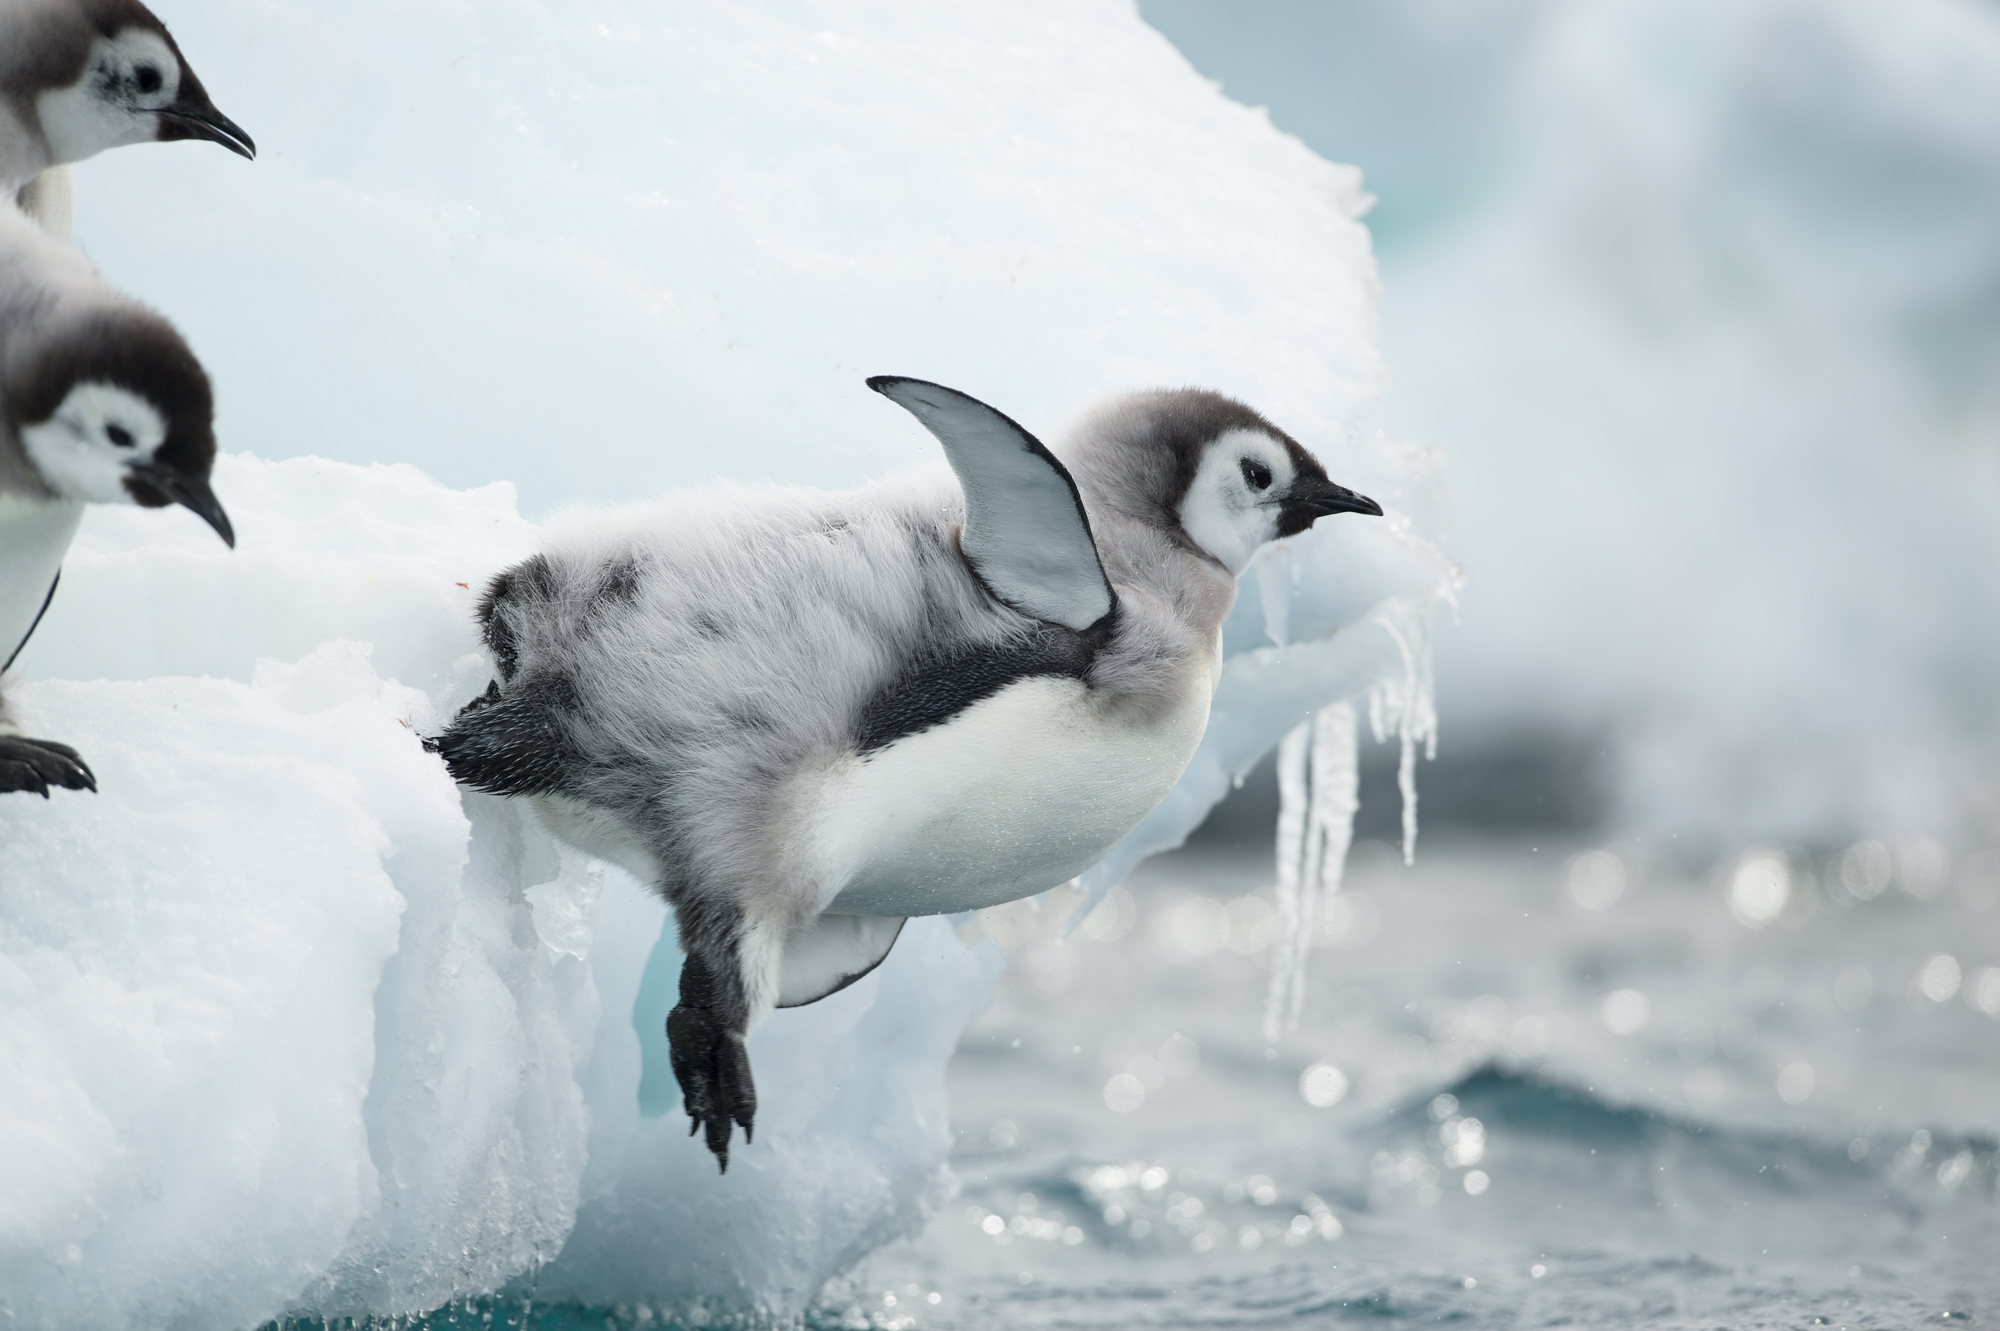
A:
1257,474
148,78
121,436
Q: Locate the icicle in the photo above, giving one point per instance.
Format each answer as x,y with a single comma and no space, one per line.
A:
1336,792
1318,779
1318,789
1406,782
1313,844
1330,809
1410,706
1292,941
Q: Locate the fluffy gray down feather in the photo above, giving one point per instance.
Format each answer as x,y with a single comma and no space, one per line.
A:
696,651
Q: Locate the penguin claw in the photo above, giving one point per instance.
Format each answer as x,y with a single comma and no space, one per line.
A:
713,1069
36,764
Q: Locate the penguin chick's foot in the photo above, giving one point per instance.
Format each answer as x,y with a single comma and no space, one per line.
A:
37,764
713,1069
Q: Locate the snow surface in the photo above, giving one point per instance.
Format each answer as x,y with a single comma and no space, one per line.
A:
293,1024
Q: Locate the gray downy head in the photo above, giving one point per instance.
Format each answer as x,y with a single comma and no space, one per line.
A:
110,406
86,75
1206,469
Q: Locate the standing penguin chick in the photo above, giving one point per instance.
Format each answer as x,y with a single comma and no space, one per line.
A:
101,402
80,76
804,717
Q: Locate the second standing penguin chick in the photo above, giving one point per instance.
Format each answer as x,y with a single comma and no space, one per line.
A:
80,76
101,402
804,717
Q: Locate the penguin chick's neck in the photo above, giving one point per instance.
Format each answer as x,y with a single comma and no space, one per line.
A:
1167,637
1140,544
1139,557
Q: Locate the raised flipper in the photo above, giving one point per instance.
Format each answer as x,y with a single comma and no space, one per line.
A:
1026,534
831,953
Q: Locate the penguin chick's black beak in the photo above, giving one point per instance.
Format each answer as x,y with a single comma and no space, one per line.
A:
197,118
189,491
1313,497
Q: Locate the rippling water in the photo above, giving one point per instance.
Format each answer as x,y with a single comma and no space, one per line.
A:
1745,1098
1766,1094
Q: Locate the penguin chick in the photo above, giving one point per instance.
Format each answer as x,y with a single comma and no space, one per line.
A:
804,717
80,76
101,402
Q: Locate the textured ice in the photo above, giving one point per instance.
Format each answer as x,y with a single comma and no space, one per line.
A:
188,1030
291,1023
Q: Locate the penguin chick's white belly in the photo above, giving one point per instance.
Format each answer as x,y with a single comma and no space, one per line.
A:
34,537
1017,793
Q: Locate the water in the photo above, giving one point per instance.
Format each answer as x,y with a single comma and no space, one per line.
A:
1647,1114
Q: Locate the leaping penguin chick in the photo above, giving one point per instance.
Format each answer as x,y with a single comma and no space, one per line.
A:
101,402
804,717
80,76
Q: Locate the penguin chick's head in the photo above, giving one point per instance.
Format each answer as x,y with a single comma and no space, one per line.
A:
114,408
1207,467
113,75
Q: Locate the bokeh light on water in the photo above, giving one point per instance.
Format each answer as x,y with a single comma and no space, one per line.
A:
1759,887
1777,1057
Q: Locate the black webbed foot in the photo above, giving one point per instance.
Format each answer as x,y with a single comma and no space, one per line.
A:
710,1063
713,1069
37,764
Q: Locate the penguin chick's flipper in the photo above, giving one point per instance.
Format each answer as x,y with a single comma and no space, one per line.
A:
1026,534
831,953
705,1042
37,764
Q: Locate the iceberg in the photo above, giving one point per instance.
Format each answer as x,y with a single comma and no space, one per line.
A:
1700,293
293,1027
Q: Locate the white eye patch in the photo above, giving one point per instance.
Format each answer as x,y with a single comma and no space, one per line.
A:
1229,509
86,449
141,67
128,78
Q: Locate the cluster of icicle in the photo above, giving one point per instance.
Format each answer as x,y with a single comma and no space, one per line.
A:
1319,793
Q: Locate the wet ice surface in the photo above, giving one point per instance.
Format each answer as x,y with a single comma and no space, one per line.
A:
1741,1098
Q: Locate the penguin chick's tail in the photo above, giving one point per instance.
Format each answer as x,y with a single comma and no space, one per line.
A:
511,743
